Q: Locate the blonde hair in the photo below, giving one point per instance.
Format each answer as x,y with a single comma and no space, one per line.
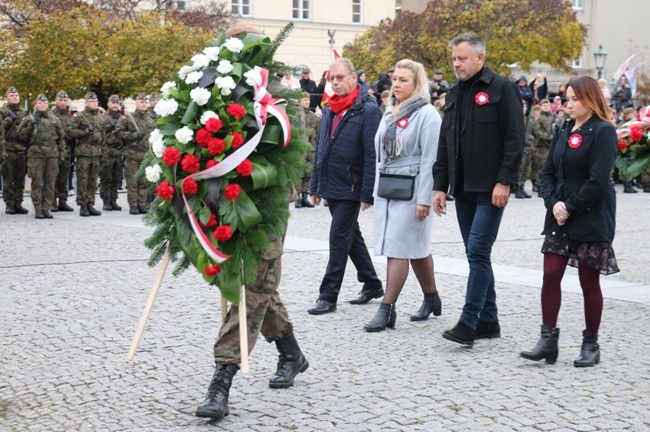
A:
420,80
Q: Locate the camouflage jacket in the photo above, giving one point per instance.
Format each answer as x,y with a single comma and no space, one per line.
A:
87,127
114,143
127,130
11,116
44,134
64,116
542,130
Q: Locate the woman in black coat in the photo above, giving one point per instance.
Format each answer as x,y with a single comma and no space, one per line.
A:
580,217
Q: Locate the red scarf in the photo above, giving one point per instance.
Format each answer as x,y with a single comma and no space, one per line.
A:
338,104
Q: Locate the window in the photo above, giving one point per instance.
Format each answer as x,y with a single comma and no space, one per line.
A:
241,8
578,4
577,63
356,11
398,5
180,5
302,9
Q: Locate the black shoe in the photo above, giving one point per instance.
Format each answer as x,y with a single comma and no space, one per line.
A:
54,208
83,211
114,206
385,317
322,307
134,211
431,304
589,352
20,209
521,193
304,201
535,187
366,295
215,405
142,208
627,188
461,334
93,212
291,362
488,330
298,203
10,210
107,206
63,206
39,215
546,348
47,214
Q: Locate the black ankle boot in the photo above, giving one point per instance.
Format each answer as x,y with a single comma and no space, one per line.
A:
430,304
291,363
627,188
385,317
590,351
215,405
305,201
546,348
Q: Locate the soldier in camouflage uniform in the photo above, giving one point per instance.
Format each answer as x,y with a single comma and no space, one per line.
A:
46,146
112,159
87,127
265,314
308,122
14,168
134,130
153,100
62,111
542,133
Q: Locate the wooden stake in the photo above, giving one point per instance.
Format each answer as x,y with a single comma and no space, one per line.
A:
147,309
243,330
224,309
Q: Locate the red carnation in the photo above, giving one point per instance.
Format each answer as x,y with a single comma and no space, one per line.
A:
190,163
164,190
237,140
213,125
231,192
212,270
223,233
211,222
236,110
190,187
203,137
216,146
636,134
171,156
245,168
210,163
623,145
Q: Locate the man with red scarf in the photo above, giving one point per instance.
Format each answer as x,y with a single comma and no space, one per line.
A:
344,175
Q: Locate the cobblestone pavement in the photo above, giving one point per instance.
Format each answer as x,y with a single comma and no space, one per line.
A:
73,290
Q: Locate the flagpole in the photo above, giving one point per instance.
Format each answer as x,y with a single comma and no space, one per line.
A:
243,325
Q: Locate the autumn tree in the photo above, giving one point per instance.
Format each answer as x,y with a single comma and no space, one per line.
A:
515,31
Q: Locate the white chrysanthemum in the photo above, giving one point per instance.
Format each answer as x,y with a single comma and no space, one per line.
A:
193,77
207,116
226,84
157,148
254,76
200,95
182,73
224,67
184,135
166,107
167,88
212,53
200,61
153,173
234,45
155,136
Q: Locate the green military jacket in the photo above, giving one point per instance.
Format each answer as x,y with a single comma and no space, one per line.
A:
114,143
126,129
12,115
44,134
64,116
87,127
542,130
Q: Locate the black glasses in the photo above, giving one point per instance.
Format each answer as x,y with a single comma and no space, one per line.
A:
338,77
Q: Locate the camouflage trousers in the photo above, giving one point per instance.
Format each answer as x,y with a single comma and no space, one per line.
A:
43,172
136,187
110,177
265,313
87,173
14,171
537,163
524,166
61,182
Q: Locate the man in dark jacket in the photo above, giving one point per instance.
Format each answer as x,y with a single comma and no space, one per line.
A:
344,175
309,85
481,143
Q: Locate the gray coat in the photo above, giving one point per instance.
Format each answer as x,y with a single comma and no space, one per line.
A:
398,232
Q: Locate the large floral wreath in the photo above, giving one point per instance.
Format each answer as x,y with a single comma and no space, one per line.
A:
634,147
221,163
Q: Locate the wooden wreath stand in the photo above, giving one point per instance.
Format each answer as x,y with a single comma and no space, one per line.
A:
243,325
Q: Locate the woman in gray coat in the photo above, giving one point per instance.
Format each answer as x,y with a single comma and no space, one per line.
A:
406,144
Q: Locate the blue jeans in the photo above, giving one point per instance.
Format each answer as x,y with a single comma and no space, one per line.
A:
479,224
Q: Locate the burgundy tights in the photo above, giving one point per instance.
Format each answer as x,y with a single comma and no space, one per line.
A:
554,267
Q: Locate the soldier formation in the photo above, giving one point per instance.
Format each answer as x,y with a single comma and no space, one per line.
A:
50,144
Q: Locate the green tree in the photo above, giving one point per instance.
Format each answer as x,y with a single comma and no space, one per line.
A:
516,31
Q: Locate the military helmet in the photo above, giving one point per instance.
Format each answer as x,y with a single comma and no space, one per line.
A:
62,95
90,96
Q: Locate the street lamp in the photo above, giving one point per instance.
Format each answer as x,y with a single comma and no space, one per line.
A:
599,57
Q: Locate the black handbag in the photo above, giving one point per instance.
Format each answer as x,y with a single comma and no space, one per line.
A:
396,187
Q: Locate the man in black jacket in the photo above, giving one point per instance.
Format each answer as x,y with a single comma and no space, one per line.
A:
481,143
308,85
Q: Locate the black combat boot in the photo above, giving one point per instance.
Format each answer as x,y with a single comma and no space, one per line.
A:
83,211
107,206
20,209
10,210
39,214
627,188
298,203
54,208
215,405
134,211
114,205
47,214
93,212
590,351
142,208
291,362
430,304
63,206
385,317
546,348
305,201
535,187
